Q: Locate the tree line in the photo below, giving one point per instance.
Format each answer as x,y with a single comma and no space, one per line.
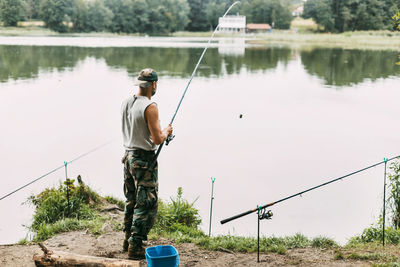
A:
141,16
351,15
337,67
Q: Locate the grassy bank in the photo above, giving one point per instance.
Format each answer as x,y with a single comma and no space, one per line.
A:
381,40
179,220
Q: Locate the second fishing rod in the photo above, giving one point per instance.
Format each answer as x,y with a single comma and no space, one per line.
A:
305,191
169,138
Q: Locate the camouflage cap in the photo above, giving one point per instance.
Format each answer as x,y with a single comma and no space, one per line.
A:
146,75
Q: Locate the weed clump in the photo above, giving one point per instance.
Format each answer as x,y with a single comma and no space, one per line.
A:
177,216
68,207
323,242
373,234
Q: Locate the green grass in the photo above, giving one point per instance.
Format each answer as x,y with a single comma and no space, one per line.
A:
323,242
44,231
23,241
303,25
390,264
349,40
26,31
179,220
55,214
116,201
339,255
367,255
373,235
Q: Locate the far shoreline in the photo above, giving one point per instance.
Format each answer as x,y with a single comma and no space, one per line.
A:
366,40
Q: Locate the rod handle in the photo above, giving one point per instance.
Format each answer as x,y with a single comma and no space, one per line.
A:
247,212
154,162
237,216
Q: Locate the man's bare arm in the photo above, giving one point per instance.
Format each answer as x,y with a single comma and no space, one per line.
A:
158,135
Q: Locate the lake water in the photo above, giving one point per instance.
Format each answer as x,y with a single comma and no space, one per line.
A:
308,115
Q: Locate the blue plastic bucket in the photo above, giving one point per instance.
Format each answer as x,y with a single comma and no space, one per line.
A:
162,256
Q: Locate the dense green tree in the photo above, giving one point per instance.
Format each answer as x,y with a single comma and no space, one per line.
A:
11,11
321,12
135,16
214,11
129,15
273,12
350,15
165,16
176,15
118,8
198,15
55,14
396,20
80,16
148,16
99,16
31,9
391,7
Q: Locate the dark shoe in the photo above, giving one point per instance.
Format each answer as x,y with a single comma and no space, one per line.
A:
136,251
125,246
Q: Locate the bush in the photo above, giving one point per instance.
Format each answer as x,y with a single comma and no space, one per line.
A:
323,242
177,212
51,207
374,234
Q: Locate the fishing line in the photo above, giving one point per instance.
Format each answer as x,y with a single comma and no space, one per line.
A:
169,138
56,169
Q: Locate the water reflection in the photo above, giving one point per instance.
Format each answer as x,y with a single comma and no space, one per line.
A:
232,47
341,67
336,67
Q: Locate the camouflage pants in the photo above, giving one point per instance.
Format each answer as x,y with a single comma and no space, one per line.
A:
141,192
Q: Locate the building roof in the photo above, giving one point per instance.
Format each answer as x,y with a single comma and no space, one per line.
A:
258,26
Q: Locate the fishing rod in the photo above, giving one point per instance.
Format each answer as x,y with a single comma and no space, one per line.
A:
305,191
169,138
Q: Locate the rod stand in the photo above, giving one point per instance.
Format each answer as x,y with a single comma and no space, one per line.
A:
67,182
385,160
211,206
262,214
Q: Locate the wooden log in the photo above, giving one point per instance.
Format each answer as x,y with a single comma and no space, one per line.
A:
61,259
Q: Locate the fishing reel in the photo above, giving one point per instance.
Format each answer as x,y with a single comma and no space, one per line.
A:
169,139
263,214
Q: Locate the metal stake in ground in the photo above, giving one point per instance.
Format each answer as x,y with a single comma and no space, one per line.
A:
169,139
261,215
212,198
384,203
67,184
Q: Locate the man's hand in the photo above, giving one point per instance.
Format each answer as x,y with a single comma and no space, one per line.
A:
168,130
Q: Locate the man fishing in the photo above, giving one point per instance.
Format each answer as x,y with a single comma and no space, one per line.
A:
142,133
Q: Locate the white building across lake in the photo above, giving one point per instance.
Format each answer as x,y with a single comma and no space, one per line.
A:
232,24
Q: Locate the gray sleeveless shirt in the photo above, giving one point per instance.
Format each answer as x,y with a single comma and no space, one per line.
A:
135,131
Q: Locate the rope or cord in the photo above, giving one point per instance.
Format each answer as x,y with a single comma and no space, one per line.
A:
56,169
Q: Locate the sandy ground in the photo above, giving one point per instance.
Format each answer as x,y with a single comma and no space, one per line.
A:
110,245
